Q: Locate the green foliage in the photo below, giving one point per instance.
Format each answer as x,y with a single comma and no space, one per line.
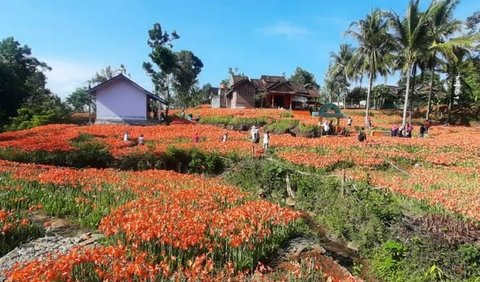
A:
248,122
21,77
180,160
80,100
87,206
43,108
188,67
387,262
286,114
217,120
304,78
281,126
307,128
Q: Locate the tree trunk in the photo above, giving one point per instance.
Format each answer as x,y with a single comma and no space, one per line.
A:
414,81
405,105
367,106
430,90
450,100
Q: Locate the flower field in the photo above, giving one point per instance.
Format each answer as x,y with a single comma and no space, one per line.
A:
169,225
162,225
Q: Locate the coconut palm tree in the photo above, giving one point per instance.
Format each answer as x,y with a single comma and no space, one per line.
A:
340,62
442,26
372,57
411,39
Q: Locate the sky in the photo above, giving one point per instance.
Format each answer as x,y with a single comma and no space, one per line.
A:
271,37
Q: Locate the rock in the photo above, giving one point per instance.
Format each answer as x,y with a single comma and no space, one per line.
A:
41,247
290,202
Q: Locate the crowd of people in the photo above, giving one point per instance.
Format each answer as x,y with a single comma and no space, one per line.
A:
407,130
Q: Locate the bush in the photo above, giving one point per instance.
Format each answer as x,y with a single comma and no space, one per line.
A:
286,114
281,126
246,123
217,120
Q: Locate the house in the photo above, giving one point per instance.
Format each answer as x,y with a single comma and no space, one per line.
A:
121,100
267,91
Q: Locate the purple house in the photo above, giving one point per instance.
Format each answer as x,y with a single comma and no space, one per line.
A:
121,100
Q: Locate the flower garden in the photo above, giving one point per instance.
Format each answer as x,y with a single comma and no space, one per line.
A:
161,224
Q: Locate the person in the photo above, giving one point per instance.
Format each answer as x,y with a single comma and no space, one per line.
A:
141,140
196,138
349,121
266,140
409,129
326,127
394,130
401,131
361,135
254,134
224,137
125,136
343,132
182,115
331,129
422,130
189,117
426,125
369,121
162,117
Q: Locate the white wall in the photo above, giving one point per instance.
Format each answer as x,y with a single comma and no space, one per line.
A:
119,101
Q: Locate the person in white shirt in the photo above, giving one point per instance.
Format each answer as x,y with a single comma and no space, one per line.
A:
266,140
125,136
141,140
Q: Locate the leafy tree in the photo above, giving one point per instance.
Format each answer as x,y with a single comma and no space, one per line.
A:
372,56
471,72
340,69
20,76
357,94
188,66
40,109
80,100
106,74
305,78
163,56
441,27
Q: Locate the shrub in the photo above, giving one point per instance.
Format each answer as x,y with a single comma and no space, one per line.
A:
287,114
281,126
216,120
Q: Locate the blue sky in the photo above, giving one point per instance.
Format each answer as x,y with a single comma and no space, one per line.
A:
258,37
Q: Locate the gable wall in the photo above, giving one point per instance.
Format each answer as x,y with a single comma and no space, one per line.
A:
244,96
121,101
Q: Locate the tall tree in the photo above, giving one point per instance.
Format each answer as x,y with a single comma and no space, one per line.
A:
305,78
80,100
188,67
441,26
411,37
163,57
340,69
372,57
106,74
21,76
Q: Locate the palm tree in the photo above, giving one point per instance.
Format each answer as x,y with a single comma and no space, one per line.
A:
441,27
372,55
453,67
411,39
340,62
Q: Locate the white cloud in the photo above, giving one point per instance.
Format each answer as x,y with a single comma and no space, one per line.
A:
288,30
67,75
